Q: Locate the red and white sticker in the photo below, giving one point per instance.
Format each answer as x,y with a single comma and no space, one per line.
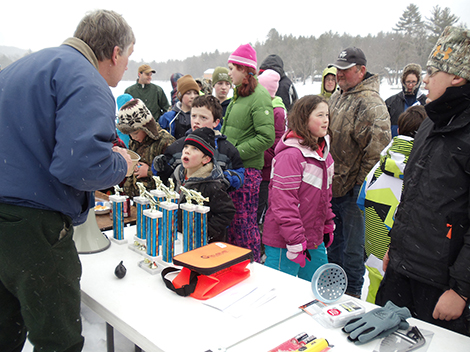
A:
333,312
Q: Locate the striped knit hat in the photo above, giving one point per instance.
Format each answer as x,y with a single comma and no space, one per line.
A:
203,139
245,55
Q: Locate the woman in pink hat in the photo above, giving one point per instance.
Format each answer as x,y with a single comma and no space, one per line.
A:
249,126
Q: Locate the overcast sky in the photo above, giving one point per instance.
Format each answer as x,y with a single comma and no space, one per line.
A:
168,29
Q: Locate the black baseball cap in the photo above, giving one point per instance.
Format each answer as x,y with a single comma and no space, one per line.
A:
350,57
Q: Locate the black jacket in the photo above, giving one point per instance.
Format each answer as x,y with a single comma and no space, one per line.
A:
286,88
208,182
436,198
396,105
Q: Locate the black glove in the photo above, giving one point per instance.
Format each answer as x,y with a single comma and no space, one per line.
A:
377,323
160,163
328,239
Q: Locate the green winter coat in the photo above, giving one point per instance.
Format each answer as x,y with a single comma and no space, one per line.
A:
360,128
249,126
152,95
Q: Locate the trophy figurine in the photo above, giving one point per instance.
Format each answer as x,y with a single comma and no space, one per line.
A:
158,192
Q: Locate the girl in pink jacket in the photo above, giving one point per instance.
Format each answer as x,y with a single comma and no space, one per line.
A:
299,221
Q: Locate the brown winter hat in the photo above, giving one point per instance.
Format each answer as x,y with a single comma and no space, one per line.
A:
134,115
185,84
451,53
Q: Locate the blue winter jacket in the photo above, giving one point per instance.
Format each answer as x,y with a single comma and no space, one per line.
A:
57,125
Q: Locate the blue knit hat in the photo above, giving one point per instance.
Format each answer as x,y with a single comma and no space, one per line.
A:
122,99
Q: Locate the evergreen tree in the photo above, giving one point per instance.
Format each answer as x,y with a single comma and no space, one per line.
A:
438,21
410,23
412,42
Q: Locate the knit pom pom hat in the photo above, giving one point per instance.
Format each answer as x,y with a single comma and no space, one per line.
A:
269,79
203,139
245,55
134,115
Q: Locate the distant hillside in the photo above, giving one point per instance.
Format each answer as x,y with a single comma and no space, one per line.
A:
11,51
9,54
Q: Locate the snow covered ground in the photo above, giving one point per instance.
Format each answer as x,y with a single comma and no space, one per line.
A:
94,328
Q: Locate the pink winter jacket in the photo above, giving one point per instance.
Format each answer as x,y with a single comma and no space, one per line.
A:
299,195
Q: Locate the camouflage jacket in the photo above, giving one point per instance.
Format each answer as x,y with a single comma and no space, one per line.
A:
148,150
360,129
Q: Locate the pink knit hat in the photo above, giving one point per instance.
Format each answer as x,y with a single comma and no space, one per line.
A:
245,55
269,79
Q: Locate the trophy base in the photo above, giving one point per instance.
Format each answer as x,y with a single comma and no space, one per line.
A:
115,240
138,245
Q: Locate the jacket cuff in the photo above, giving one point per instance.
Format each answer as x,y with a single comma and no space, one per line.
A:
297,247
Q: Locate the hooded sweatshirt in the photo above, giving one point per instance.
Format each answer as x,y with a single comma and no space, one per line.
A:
360,126
286,88
328,71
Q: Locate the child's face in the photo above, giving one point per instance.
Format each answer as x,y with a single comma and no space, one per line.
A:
138,135
221,90
193,158
235,74
318,120
202,117
188,98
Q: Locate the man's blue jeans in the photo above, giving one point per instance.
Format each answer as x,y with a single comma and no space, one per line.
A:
347,249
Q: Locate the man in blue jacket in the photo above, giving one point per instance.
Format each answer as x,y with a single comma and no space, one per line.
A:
57,126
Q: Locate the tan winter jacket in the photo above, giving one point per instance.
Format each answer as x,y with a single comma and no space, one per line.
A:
360,128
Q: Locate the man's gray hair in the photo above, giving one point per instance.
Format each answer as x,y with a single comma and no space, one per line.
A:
102,30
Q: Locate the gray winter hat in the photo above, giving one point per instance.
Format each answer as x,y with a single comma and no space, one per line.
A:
134,115
451,53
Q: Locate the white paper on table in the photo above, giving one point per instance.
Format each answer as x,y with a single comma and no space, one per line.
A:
241,298
252,301
225,299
